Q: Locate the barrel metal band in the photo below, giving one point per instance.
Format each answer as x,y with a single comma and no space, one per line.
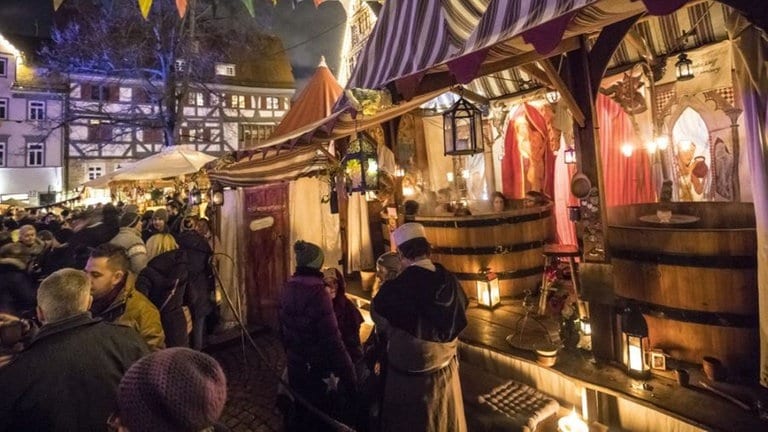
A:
720,319
710,261
475,223
514,274
488,250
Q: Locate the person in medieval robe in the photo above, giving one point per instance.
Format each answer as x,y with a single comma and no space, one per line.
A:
421,313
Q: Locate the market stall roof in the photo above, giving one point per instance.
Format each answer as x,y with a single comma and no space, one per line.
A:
314,103
170,162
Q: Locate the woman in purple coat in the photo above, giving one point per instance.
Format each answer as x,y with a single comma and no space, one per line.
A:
319,367
348,316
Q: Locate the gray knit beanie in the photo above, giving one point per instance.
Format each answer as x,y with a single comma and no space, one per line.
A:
308,255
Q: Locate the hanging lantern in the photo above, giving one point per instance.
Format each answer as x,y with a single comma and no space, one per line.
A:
361,167
216,194
634,343
684,67
569,155
488,295
463,129
552,96
195,197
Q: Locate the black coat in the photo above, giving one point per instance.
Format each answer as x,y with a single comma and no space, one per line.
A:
201,285
90,237
164,281
18,292
66,380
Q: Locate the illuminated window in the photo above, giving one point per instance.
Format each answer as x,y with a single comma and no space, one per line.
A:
255,133
35,154
225,69
238,101
272,103
195,99
3,108
36,110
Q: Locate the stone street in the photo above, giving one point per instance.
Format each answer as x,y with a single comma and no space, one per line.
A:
252,376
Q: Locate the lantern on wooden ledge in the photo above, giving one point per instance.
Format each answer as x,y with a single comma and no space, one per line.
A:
360,165
684,68
463,129
488,295
634,343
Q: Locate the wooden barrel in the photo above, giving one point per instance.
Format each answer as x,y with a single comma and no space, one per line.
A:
695,281
509,243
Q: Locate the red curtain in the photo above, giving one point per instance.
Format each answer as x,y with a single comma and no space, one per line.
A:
626,180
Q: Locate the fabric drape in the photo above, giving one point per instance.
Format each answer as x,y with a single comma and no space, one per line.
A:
359,248
751,65
311,220
233,244
626,180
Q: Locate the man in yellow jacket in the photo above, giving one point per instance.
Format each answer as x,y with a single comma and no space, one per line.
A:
115,298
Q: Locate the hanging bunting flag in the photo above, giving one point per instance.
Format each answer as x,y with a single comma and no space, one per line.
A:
144,6
249,5
181,5
57,4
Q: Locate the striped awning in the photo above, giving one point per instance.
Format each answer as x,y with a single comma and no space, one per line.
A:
272,166
420,37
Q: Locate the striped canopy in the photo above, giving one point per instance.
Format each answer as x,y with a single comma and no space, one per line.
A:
272,166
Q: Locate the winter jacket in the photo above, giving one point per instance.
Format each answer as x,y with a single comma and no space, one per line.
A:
164,281
349,318
67,378
129,238
201,284
18,293
133,309
84,240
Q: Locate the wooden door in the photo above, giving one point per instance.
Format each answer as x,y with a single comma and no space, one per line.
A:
267,254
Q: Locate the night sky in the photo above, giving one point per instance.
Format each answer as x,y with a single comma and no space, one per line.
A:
307,32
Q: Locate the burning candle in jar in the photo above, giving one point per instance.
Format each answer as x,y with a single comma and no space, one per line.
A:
572,423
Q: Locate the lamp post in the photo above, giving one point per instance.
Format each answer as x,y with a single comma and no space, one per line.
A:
634,343
488,295
360,165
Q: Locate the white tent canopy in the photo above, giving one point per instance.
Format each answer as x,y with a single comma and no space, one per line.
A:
170,162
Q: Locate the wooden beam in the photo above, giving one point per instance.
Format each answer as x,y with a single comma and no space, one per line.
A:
446,80
565,92
603,49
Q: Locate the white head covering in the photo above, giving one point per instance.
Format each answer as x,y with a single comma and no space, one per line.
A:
408,231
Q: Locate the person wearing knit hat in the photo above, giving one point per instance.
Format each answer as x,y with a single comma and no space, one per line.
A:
172,390
421,313
319,367
158,224
129,238
308,255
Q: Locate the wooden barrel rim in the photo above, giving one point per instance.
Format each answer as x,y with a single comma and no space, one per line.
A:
514,274
719,319
473,223
489,250
688,260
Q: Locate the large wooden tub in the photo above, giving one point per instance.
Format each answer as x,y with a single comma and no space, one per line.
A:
509,243
696,282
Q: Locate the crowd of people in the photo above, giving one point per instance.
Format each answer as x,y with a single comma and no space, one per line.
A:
102,315
408,379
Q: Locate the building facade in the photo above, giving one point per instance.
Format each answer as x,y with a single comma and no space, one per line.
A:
31,157
238,110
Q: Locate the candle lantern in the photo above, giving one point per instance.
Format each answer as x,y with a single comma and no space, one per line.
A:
216,194
463,129
360,165
634,343
569,156
195,196
684,68
488,295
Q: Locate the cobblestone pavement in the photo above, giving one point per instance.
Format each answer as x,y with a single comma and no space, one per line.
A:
252,382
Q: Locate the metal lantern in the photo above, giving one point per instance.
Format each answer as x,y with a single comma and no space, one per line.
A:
195,197
569,156
684,67
463,129
361,166
216,194
634,343
552,96
488,295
